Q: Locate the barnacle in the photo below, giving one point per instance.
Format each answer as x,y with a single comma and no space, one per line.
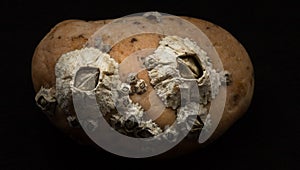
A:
140,86
45,99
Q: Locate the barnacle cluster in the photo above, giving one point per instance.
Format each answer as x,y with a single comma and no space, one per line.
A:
176,66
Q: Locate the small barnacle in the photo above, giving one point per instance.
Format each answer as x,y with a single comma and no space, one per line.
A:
153,16
226,78
45,99
72,121
123,103
131,123
150,62
140,86
170,134
132,78
98,43
125,89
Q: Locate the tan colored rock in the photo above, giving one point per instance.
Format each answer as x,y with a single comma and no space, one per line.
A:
73,34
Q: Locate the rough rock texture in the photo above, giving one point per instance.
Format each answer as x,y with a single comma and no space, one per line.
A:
73,34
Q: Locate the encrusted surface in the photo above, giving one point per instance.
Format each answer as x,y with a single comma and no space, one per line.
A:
71,63
176,66
72,34
96,71
179,60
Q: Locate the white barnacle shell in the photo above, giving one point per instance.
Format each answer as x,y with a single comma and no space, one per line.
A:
179,60
140,86
132,78
85,70
156,16
45,99
150,62
125,89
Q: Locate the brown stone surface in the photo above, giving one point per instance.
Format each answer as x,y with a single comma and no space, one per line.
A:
73,34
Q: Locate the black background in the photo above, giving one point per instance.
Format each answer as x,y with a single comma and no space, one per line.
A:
267,137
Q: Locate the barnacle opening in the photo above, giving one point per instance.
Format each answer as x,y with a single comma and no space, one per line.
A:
87,78
42,102
188,65
45,99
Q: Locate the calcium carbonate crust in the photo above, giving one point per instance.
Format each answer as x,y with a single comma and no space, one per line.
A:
173,65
